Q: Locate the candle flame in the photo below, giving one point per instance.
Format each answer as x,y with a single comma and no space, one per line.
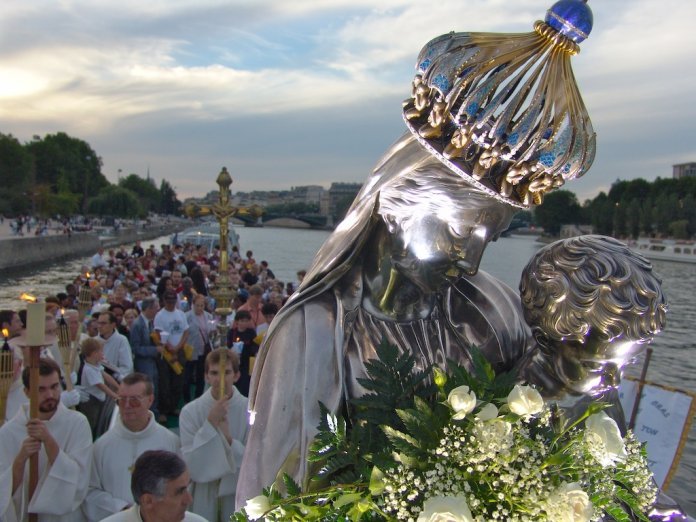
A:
28,298
5,333
87,275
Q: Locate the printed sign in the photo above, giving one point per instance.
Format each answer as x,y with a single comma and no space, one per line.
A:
663,422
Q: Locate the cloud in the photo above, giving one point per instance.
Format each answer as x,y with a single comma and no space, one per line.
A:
208,74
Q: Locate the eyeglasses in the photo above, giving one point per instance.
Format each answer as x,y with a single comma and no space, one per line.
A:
135,400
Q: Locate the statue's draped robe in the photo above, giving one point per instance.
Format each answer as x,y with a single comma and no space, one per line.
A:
319,352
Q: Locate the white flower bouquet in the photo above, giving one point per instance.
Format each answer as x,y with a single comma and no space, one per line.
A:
463,448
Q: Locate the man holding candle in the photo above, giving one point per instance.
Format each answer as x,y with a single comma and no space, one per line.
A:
213,432
63,442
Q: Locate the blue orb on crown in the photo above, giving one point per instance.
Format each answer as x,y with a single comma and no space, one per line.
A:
571,18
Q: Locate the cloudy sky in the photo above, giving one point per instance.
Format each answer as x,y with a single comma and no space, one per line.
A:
293,92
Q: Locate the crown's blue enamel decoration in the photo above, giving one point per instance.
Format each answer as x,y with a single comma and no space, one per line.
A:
503,110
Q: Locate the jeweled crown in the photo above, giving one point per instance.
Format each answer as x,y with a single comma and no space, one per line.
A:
503,110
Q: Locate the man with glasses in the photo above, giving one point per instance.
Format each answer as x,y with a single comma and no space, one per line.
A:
134,432
160,486
117,350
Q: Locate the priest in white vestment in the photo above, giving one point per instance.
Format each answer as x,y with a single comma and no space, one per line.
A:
117,349
134,432
213,436
63,441
160,486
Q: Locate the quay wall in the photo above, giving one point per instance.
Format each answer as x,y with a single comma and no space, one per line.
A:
27,251
23,252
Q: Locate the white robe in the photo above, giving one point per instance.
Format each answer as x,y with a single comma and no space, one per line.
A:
15,398
212,462
62,487
113,458
133,515
117,352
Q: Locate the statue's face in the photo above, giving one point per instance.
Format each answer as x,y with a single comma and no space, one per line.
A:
434,246
592,367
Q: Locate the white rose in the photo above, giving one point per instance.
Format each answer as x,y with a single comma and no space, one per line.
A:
604,439
525,400
569,503
446,509
256,507
462,401
488,412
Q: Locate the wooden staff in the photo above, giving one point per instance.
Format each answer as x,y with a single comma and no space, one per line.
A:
223,369
639,392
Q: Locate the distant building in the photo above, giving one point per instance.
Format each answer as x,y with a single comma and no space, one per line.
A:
684,170
341,196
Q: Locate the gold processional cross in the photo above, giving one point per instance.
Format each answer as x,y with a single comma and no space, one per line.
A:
224,293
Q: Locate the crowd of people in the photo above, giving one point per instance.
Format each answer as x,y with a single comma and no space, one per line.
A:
149,353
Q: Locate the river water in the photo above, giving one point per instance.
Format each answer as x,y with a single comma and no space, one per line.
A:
289,250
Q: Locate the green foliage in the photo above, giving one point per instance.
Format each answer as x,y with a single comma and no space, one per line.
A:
117,202
144,189
560,207
59,174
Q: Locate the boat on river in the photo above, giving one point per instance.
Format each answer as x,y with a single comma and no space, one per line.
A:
207,234
666,250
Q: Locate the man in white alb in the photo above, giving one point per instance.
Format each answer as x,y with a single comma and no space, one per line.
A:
117,349
213,431
134,432
63,441
160,487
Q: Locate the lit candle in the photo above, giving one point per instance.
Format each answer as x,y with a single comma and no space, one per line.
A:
6,335
36,323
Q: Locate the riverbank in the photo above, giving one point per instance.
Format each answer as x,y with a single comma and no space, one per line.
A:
19,253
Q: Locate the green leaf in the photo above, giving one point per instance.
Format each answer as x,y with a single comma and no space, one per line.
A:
630,501
291,486
401,440
345,499
617,513
376,481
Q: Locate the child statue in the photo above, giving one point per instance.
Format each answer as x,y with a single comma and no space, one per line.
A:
593,305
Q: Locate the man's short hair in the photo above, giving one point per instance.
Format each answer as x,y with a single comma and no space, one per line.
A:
6,316
242,314
269,309
152,470
214,358
137,377
147,303
593,283
46,367
255,290
110,315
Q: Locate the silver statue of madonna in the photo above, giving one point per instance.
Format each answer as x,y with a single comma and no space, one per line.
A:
402,265
494,122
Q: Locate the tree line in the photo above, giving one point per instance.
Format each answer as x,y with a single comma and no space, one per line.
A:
61,175
661,208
